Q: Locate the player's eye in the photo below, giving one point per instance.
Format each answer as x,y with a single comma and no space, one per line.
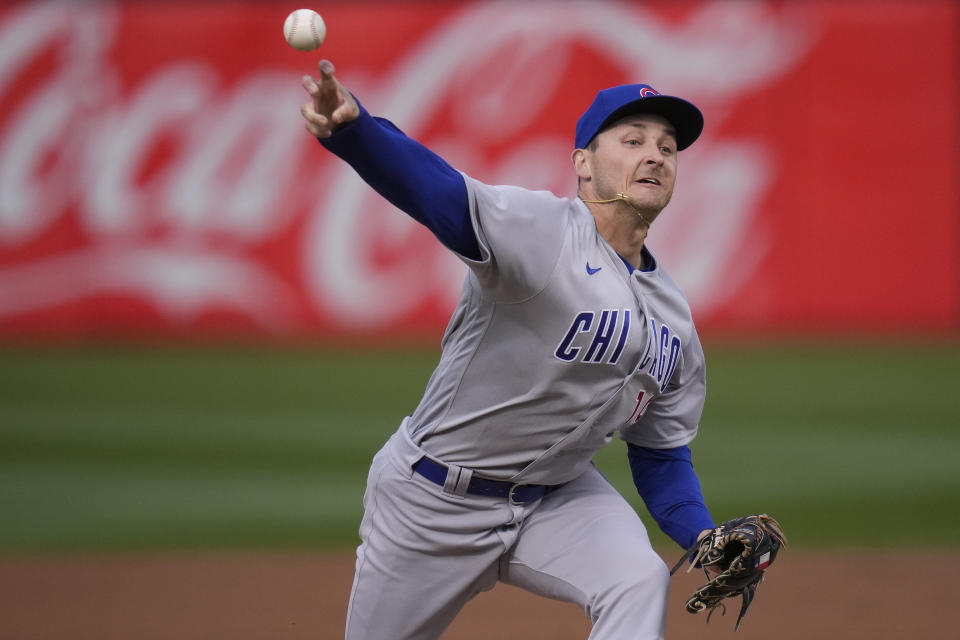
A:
666,150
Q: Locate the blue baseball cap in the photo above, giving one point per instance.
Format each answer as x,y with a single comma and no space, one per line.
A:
616,102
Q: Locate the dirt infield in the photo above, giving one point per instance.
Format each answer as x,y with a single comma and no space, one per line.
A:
824,595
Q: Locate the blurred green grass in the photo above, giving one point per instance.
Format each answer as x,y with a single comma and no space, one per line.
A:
127,448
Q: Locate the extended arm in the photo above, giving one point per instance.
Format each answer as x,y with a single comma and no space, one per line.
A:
671,490
410,176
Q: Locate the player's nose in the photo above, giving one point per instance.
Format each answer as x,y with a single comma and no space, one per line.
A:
653,157
652,154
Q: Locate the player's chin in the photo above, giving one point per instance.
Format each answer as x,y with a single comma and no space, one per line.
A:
649,200
654,195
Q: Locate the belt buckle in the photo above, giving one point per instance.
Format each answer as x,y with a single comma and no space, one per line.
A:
510,497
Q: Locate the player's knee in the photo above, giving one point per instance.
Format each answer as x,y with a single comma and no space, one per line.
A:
634,605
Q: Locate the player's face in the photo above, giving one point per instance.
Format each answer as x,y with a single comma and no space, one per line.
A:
637,156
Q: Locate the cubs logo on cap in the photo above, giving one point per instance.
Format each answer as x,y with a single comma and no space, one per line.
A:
616,102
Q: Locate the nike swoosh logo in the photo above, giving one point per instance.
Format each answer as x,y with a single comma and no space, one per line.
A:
590,271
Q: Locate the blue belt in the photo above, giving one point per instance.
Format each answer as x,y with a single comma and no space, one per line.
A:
518,493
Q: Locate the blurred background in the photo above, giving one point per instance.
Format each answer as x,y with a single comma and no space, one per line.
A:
208,325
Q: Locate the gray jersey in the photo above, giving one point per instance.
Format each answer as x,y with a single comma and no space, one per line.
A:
555,346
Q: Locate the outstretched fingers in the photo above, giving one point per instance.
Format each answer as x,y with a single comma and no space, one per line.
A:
330,103
328,82
329,95
316,116
342,106
317,124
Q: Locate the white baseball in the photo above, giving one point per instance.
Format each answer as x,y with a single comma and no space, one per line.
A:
304,29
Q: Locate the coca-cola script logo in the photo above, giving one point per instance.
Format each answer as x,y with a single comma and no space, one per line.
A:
174,183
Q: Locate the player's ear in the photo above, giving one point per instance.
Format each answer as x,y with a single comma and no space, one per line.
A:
581,164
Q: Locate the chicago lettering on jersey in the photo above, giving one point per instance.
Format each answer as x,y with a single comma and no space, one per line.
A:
609,336
608,333
662,355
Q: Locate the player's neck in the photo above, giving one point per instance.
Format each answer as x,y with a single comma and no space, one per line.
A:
623,229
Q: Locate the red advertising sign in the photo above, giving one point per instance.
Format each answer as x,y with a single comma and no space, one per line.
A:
156,179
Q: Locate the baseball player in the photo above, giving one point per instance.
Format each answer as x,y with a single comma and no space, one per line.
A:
568,331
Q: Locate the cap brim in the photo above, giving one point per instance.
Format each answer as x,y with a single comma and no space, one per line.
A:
684,116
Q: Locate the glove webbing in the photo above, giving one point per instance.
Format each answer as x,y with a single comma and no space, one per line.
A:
769,526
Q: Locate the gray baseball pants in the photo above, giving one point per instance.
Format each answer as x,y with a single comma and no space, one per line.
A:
425,553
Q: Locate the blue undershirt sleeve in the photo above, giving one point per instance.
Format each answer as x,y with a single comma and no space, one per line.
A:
671,490
410,176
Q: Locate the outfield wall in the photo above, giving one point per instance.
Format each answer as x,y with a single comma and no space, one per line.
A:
155,177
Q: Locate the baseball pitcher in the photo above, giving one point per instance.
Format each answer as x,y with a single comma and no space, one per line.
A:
568,332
